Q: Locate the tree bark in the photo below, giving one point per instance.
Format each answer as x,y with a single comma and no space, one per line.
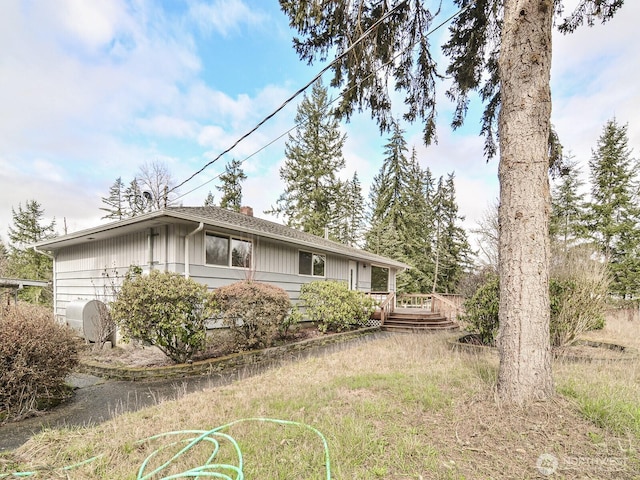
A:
524,123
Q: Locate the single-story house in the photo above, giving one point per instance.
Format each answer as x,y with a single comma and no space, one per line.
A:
211,245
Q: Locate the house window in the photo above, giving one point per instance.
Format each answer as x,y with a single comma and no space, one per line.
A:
379,279
311,264
240,253
227,251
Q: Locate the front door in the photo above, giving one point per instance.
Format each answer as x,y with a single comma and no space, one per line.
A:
353,275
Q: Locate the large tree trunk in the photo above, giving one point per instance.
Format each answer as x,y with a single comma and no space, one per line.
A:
524,66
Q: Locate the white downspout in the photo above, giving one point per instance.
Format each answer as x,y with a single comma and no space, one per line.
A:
55,284
186,249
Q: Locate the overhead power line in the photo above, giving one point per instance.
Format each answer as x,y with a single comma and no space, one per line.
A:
301,90
296,94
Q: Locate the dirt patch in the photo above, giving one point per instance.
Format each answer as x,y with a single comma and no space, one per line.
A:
594,351
487,441
589,348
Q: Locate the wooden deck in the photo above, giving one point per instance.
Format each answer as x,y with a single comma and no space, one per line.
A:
417,312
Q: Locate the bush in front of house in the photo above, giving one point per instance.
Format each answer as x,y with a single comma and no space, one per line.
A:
257,313
166,310
36,355
335,308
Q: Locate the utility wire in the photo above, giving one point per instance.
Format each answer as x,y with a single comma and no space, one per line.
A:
316,77
292,97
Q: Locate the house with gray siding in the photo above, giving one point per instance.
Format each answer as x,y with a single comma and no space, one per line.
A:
211,245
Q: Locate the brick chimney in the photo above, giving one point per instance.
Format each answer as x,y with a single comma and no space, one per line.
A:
248,211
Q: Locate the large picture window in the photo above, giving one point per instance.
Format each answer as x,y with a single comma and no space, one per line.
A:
311,264
379,279
227,251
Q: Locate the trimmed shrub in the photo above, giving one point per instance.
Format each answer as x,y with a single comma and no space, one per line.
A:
257,313
334,307
166,310
36,355
481,311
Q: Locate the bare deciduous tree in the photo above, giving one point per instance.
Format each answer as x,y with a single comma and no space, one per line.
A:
154,177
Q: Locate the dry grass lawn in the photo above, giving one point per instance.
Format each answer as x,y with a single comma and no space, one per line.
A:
401,407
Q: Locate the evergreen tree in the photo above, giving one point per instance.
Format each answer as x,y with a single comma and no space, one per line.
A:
387,200
231,187
453,251
613,213
210,201
24,262
566,224
4,259
500,49
414,221
391,198
375,238
138,201
116,204
314,156
350,217
418,220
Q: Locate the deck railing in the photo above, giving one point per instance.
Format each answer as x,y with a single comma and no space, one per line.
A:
448,305
423,301
386,303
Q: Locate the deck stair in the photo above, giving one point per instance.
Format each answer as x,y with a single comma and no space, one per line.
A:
418,313
413,320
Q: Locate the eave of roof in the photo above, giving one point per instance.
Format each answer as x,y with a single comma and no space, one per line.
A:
21,282
221,218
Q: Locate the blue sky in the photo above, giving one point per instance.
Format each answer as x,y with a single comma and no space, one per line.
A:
90,91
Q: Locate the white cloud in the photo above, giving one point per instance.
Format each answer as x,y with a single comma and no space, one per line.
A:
50,89
262,192
92,25
89,93
593,80
212,136
58,196
48,171
224,16
168,126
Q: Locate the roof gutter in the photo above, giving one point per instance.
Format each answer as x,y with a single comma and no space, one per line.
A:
186,249
42,252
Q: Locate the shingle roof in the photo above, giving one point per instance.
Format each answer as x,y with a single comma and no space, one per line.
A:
258,226
223,218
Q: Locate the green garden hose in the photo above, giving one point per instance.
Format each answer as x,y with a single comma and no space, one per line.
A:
210,469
